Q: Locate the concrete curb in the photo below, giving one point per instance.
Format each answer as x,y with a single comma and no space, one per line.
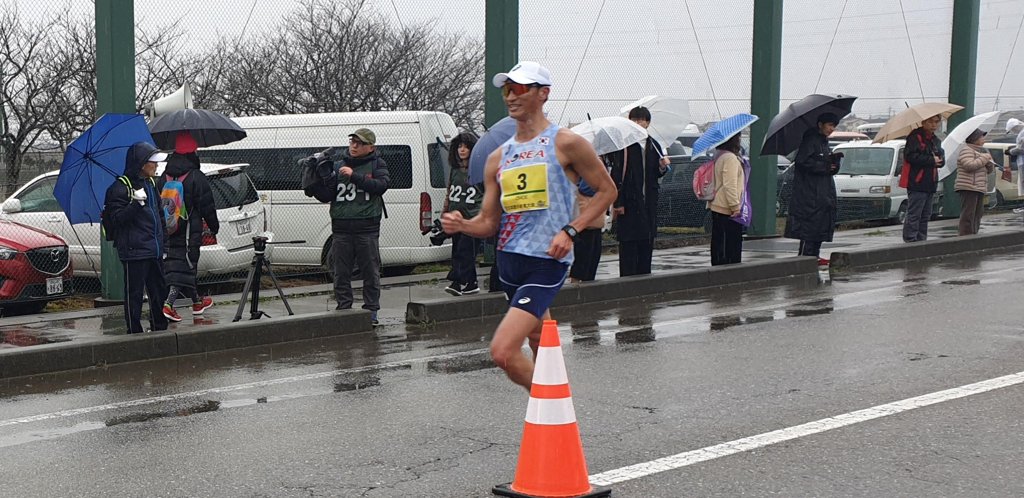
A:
48,358
923,250
483,305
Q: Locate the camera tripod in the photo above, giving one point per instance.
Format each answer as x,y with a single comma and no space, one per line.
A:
252,283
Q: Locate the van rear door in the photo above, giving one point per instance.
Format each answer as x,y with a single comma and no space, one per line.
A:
239,208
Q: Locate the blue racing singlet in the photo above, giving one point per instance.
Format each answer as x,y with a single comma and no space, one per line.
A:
537,198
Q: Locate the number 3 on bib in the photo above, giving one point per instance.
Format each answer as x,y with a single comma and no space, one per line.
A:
525,188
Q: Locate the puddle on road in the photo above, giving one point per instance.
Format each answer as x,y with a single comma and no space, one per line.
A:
132,418
18,337
481,361
962,282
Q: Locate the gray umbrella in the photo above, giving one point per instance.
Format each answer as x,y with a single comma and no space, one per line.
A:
209,128
787,129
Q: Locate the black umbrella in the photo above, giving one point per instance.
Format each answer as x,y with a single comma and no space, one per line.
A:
207,127
787,129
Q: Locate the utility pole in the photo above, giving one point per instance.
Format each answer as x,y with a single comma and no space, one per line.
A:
963,69
766,71
501,52
115,92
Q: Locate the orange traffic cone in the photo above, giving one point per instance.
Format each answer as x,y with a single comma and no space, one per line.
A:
551,461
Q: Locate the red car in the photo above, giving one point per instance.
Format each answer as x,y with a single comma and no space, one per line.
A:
34,268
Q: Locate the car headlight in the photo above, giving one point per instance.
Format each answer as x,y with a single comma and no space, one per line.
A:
883,189
6,253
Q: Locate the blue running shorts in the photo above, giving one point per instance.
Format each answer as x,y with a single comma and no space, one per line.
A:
530,283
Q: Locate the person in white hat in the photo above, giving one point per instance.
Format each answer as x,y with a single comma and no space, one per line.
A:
530,194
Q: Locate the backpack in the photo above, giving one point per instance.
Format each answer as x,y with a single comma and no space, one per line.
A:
704,181
172,203
319,179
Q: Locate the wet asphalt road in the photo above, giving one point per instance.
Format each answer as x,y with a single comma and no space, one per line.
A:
422,412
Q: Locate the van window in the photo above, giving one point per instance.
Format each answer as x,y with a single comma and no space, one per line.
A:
232,190
439,167
278,169
867,160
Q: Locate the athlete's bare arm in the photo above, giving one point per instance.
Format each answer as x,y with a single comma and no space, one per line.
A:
579,159
484,224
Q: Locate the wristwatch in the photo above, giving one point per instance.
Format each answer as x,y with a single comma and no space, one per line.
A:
571,230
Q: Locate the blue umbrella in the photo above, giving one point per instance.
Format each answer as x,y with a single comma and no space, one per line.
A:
497,135
720,132
93,161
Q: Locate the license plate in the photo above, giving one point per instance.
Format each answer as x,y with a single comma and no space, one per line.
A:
243,227
54,286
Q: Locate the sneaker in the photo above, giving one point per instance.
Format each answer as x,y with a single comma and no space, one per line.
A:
454,289
373,318
471,288
200,307
171,314
823,262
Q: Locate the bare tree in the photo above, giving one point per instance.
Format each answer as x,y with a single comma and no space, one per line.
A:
341,56
27,87
48,79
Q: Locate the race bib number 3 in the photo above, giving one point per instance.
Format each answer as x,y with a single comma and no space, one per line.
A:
525,188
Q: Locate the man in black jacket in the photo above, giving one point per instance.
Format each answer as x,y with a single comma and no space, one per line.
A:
924,155
355,220
182,260
812,204
132,211
636,170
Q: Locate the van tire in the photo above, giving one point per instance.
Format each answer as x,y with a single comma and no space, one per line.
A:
397,271
707,221
901,214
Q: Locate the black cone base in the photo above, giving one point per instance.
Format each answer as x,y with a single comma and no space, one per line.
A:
506,490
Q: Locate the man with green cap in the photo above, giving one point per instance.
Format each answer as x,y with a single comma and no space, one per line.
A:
355,220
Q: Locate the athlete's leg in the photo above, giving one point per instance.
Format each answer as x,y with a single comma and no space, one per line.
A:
507,345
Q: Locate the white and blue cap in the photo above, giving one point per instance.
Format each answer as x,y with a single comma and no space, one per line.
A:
525,73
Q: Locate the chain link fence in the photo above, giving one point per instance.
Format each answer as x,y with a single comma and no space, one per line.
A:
422,63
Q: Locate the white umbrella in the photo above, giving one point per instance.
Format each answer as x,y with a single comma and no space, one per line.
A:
610,133
669,117
908,119
956,138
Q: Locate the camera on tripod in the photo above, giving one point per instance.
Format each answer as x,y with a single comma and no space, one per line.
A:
259,244
437,236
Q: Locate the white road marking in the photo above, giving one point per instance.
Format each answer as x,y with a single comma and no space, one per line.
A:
687,458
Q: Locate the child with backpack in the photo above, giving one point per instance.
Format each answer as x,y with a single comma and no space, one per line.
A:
187,201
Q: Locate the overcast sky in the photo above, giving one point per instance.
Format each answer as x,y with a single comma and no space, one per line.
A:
605,54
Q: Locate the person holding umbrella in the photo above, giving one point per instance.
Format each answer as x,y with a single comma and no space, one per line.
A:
132,211
812,205
973,164
636,171
924,156
182,260
730,207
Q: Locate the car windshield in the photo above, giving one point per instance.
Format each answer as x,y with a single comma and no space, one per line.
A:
866,160
232,190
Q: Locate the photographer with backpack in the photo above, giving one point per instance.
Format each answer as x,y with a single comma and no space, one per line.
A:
132,220
186,201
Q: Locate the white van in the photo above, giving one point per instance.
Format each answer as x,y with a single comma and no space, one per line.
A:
868,183
412,143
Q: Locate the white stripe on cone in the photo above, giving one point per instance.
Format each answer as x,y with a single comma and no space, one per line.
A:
549,369
550,411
